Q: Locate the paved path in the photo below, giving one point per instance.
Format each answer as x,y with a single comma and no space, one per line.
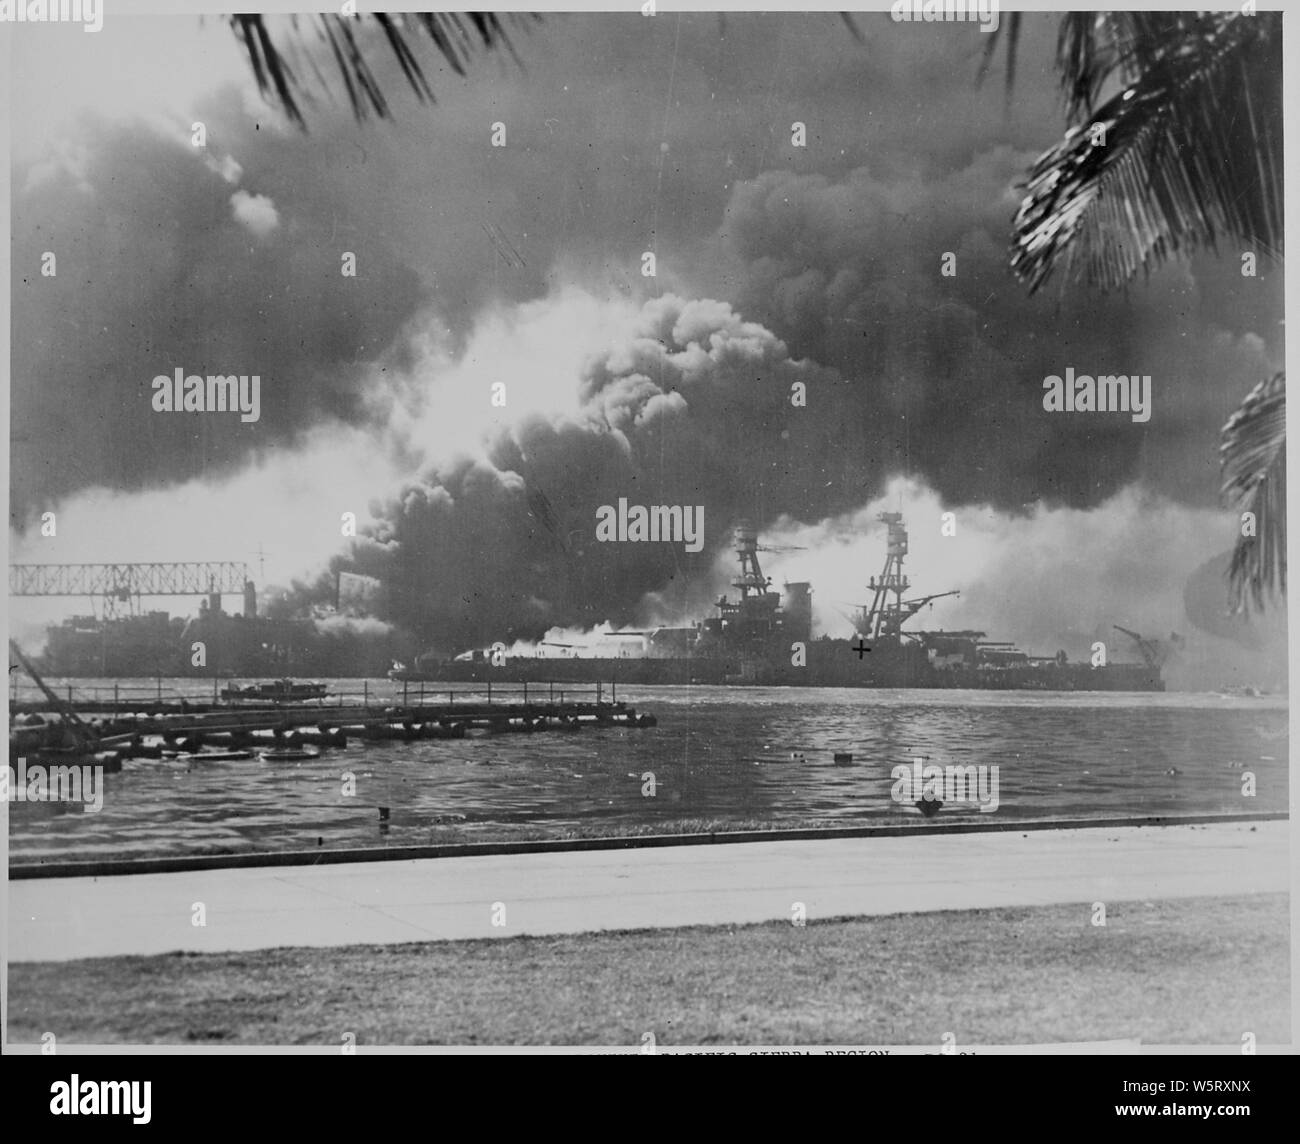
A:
61,918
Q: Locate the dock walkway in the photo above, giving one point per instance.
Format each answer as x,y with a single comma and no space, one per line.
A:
57,919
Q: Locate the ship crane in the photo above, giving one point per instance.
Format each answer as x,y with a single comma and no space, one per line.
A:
1153,654
906,610
911,607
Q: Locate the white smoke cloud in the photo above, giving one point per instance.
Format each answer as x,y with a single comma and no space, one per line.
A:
256,212
287,503
1049,579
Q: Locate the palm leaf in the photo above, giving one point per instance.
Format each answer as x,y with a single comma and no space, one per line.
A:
455,39
1013,27
1094,48
852,24
1185,155
271,72
1191,151
1252,456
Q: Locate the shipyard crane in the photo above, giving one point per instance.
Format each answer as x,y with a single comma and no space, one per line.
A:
1153,654
116,584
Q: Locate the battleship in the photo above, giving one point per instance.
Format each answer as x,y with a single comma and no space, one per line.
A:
764,638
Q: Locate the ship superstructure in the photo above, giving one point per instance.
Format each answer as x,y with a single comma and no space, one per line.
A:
757,618
764,637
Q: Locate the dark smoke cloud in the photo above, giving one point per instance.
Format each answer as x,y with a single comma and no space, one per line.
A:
835,247
848,271
155,272
695,409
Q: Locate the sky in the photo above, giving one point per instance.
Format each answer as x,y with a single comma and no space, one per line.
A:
515,273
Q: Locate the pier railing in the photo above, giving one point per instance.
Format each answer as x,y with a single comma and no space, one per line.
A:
130,695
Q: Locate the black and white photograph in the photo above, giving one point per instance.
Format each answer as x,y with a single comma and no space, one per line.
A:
659,530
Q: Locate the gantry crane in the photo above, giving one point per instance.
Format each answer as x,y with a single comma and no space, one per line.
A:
117,584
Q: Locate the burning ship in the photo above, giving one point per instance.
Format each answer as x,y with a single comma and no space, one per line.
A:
124,643
760,638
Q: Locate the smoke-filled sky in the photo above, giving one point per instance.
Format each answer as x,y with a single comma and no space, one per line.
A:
479,266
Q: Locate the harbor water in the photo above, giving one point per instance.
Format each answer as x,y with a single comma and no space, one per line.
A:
719,757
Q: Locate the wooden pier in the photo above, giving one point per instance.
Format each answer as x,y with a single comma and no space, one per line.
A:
120,719
160,699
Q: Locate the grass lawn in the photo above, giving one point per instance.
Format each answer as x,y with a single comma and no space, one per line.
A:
1191,971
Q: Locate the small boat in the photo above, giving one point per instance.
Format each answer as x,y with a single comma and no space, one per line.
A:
279,691
289,754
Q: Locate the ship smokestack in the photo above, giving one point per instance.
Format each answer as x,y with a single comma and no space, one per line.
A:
798,611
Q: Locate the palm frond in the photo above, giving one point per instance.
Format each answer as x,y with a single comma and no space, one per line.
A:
1252,454
1096,47
269,69
1189,151
455,39
1186,153
1087,53
1013,27
854,30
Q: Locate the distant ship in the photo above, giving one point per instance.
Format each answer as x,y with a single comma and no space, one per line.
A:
759,639
242,645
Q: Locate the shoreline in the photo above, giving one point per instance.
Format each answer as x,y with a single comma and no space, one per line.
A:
102,868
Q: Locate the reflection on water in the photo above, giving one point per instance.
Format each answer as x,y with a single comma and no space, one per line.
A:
738,755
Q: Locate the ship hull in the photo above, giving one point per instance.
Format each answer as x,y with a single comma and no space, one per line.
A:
829,663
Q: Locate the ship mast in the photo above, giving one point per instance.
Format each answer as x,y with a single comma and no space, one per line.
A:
756,615
751,580
884,619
